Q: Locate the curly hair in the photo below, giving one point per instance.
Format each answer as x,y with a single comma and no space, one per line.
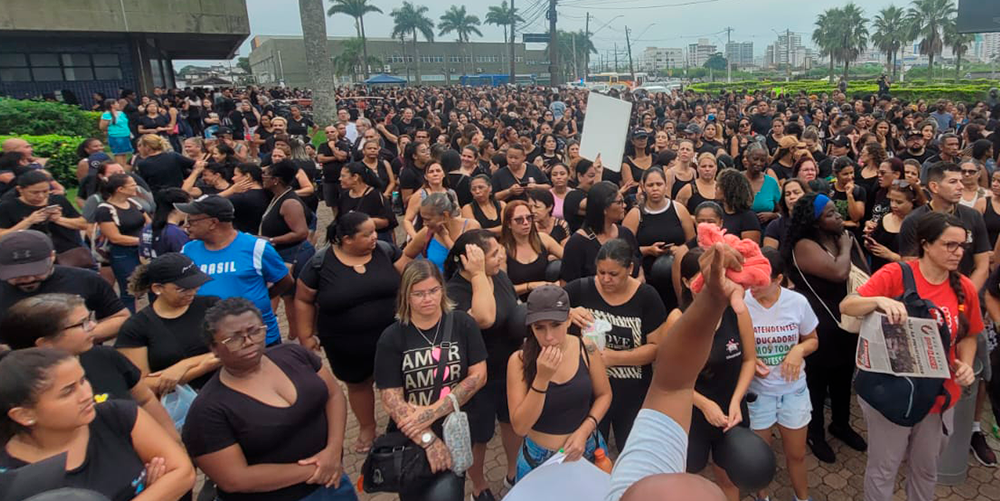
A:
736,191
876,152
801,225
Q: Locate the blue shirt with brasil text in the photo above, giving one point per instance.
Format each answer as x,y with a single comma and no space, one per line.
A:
244,268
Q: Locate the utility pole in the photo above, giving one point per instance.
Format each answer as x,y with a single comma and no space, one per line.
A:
586,57
788,55
513,21
576,71
554,73
616,57
628,46
729,63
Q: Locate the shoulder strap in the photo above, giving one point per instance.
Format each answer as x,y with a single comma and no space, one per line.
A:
319,257
909,285
113,210
819,299
449,320
583,351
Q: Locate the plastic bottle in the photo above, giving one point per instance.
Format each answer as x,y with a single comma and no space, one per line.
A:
601,460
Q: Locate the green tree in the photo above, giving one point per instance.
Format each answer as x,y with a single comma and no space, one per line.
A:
568,42
318,63
502,15
891,32
851,31
356,9
462,24
823,36
927,20
352,59
243,63
716,62
959,43
410,19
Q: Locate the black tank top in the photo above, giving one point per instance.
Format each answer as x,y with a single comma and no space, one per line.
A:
273,223
534,271
717,380
678,184
696,198
883,237
637,173
660,227
484,221
992,220
567,404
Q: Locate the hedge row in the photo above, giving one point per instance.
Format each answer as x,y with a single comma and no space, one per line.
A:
61,152
20,117
966,92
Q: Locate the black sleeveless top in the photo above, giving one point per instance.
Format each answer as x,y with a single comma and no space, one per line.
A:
484,221
534,271
273,223
992,220
886,238
567,404
679,183
836,346
637,173
696,198
662,227
718,378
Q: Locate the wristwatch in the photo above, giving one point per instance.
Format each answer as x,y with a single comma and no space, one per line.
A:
426,439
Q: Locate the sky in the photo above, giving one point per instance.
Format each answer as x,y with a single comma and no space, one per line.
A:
653,23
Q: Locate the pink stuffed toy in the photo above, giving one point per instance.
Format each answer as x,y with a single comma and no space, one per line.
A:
756,268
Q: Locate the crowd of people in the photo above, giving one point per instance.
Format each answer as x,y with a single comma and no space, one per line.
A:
474,262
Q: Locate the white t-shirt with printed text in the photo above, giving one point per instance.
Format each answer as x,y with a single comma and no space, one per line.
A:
777,329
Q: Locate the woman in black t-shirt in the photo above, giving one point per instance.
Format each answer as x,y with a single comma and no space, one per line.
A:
848,197
112,447
121,220
720,390
737,197
605,209
62,321
270,424
408,354
248,196
153,122
163,339
626,316
348,320
359,193
36,208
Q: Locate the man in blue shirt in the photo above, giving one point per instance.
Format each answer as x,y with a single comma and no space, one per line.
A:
239,264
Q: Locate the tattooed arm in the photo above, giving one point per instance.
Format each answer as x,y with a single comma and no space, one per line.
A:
398,409
421,418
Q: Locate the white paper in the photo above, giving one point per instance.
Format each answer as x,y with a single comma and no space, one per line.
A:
605,129
577,481
912,348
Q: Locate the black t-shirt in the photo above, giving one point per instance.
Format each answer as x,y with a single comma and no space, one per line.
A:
168,340
504,179
760,124
571,209
13,211
631,323
112,467
404,359
166,170
906,155
300,127
411,178
502,338
717,380
248,209
130,221
580,255
736,224
110,373
147,122
840,200
236,123
370,203
221,417
973,220
97,294
365,308
331,170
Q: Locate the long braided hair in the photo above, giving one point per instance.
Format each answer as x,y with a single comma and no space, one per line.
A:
930,227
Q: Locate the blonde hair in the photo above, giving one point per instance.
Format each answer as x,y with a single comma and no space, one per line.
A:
707,154
154,142
414,273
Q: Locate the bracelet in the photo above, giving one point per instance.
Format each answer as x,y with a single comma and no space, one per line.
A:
594,419
537,390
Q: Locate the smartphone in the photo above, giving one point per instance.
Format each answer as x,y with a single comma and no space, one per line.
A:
53,207
523,184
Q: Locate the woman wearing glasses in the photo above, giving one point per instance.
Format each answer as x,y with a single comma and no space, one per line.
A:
528,250
604,211
62,321
270,424
883,241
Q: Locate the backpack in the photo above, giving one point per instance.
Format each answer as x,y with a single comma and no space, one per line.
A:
906,400
100,245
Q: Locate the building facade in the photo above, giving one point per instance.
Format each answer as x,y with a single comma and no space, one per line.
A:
79,47
788,50
699,53
278,60
655,59
740,54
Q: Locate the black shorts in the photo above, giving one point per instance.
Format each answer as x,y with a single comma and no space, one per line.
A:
488,406
352,358
705,438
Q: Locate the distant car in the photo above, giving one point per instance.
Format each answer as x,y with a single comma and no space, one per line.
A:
654,89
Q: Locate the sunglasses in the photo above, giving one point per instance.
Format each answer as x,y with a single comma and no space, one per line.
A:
523,219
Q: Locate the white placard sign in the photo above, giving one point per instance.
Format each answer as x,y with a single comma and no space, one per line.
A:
605,129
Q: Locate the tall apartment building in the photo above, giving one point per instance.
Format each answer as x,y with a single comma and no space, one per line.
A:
655,59
740,53
698,53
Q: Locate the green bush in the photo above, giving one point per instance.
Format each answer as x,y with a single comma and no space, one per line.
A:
965,91
19,117
61,152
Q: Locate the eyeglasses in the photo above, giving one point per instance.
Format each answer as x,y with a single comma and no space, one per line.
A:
523,219
88,324
238,339
189,222
426,294
619,201
953,247
969,172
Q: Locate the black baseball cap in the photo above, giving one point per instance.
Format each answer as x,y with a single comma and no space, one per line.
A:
547,302
209,205
914,133
640,133
224,131
24,253
693,129
178,269
841,141
35,478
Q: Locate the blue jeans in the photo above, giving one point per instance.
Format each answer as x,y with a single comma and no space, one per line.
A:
124,261
343,493
540,454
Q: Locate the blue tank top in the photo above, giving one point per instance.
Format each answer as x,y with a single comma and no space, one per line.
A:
436,252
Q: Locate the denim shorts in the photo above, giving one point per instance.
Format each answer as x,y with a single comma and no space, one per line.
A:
791,410
120,145
343,493
540,454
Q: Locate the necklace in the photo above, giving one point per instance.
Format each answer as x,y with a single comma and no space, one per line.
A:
436,329
271,206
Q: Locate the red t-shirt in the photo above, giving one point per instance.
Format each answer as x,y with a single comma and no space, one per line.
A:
888,282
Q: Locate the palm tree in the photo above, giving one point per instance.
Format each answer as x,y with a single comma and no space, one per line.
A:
959,43
576,43
356,9
410,19
320,67
927,19
456,20
501,15
851,32
890,33
352,58
823,35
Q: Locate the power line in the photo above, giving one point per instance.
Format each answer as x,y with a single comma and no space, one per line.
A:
695,2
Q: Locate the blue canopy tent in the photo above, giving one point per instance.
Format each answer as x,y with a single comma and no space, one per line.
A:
383,79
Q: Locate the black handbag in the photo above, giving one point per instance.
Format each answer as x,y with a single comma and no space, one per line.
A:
395,463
